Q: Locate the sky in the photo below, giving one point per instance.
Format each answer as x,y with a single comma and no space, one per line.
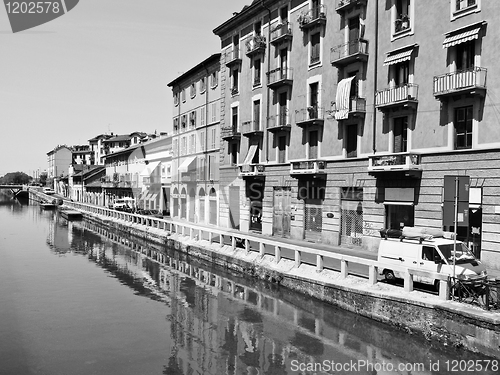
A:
102,67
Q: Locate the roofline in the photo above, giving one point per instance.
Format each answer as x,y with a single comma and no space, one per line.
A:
212,59
245,14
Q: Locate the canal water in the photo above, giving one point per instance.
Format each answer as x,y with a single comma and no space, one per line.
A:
76,299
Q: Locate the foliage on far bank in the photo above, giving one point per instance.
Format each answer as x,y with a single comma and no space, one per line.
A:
15,178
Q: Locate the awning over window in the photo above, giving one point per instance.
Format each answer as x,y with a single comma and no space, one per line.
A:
152,197
459,36
184,166
149,168
398,56
251,153
342,99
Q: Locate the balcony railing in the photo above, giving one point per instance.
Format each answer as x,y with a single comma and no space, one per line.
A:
249,128
281,32
230,133
357,106
280,77
343,5
471,80
344,54
401,95
307,167
255,44
400,161
233,56
248,170
313,17
279,122
310,116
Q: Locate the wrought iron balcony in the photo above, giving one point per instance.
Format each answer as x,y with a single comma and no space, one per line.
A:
345,54
280,77
343,5
251,128
279,122
281,33
233,56
404,95
231,133
313,17
357,107
255,44
470,81
395,162
310,116
252,170
307,167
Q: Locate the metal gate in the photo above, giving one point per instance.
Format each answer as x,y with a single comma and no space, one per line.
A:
313,219
282,211
351,223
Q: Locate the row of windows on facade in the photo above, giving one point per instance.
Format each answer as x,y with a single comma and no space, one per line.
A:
188,143
214,80
184,124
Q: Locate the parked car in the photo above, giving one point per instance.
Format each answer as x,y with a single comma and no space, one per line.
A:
124,204
48,191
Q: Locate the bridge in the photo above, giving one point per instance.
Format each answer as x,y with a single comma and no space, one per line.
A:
17,190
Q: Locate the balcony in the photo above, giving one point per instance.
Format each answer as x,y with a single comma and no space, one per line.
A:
230,134
233,56
251,128
471,81
252,170
310,116
255,44
357,107
404,96
307,167
280,77
345,5
282,32
408,162
279,122
350,52
312,18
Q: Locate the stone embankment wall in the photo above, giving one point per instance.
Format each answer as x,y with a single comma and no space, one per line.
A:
448,322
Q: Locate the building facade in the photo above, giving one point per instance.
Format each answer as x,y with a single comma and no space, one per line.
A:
196,143
59,159
340,118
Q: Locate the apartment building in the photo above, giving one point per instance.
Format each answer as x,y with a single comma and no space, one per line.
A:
339,118
196,143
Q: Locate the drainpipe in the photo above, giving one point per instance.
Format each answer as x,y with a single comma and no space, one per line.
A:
266,135
206,134
375,67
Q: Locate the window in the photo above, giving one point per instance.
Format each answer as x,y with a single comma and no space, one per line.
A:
183,123
282,149
202,140
235,81
464,4
214,138
176,125
193,90
465,55
192,119
256,115
313,144
403,15
234,119
214,79
233,153
463,127
315,48
192,145
214,112
399,216
400,133
258,28
401,73
257,71
202,116
175,147
313,100
351,140
211,167
176,99
203,85
183,94
183,145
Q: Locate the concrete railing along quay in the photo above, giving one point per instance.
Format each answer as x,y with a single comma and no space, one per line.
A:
433,317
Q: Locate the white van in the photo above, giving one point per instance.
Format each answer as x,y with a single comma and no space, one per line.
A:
428,253
124,204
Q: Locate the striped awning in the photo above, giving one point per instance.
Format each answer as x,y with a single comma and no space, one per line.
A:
394,58
461,37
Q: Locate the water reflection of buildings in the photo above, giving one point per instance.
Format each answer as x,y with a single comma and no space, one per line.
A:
222,324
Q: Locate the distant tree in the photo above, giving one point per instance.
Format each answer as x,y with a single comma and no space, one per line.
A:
43,178
16,178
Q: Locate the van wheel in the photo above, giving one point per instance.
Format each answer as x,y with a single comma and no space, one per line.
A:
389,276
